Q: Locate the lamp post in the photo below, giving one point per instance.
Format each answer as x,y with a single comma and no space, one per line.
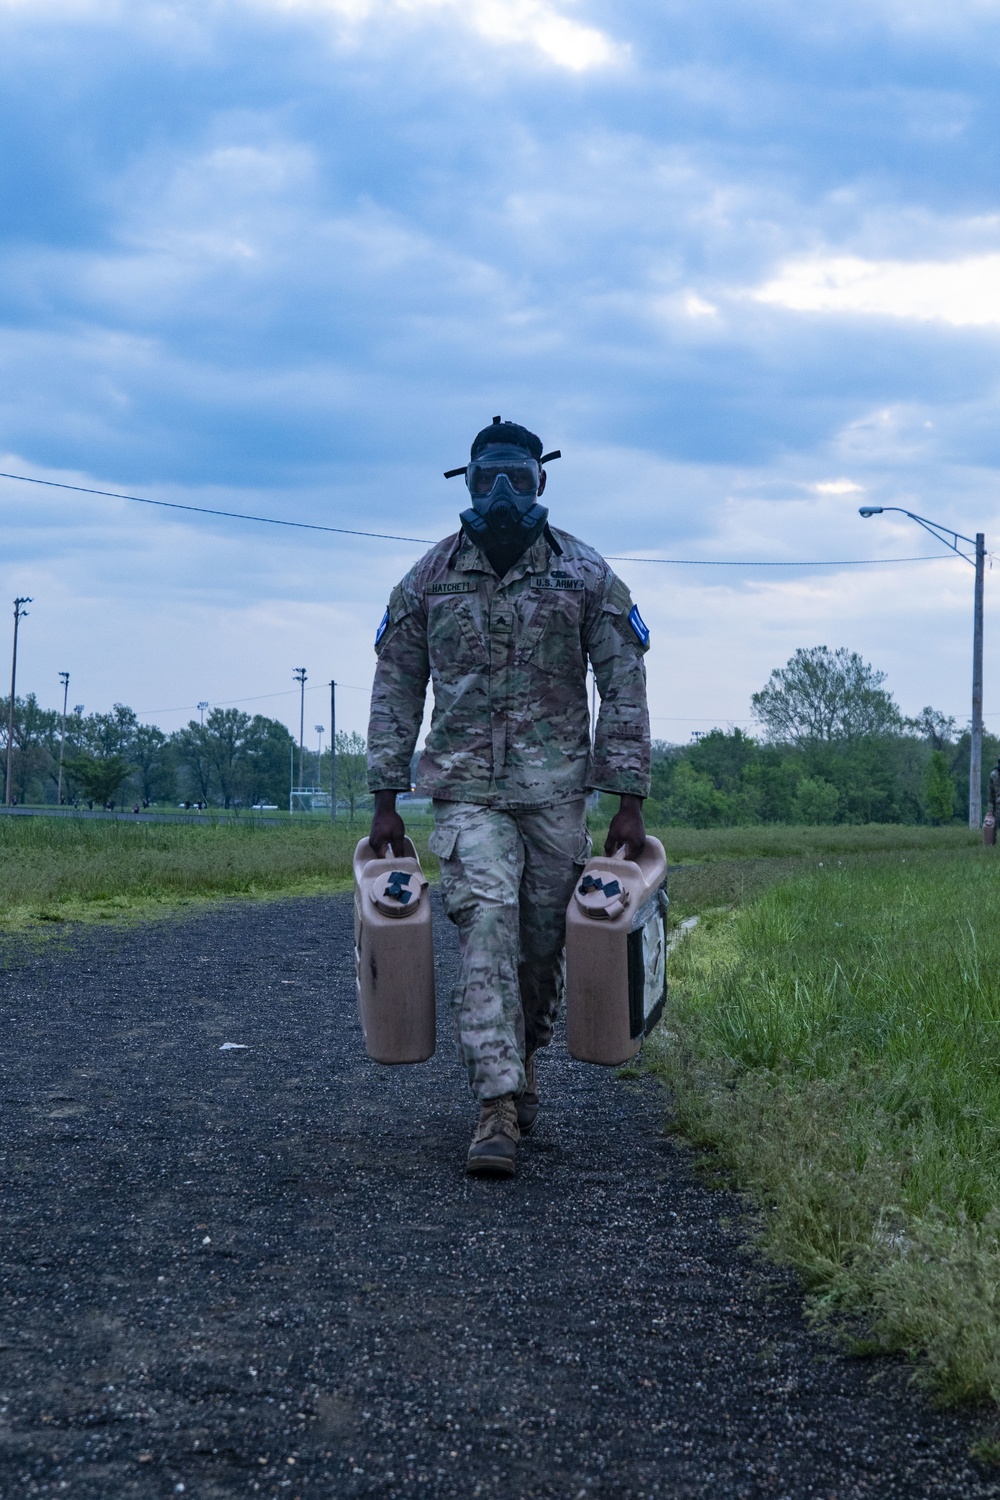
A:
300,677
333,751
951,539
64,679
19,614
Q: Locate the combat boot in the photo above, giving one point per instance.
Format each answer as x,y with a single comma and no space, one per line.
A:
526,1102
493,1152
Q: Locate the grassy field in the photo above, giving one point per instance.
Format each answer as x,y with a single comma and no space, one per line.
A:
74,869
837,1041
78,869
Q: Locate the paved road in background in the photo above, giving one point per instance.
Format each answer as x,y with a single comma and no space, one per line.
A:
263,1272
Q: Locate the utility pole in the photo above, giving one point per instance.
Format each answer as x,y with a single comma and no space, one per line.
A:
19,613
201,709
64,679
300,677
333,751
951,539
976,756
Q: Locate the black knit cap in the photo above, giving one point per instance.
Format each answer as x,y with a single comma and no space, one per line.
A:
511,433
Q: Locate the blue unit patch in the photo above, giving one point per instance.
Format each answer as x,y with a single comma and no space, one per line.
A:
639,625
380,632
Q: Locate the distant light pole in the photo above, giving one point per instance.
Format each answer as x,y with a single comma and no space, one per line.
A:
201,709
300,677
942,534
64,679
320,730
333,751
19,613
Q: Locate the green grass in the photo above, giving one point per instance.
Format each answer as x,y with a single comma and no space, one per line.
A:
78,869
783,841
837,1042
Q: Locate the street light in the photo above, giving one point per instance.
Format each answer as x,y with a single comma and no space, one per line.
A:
19,614
300,675
64,679
951,539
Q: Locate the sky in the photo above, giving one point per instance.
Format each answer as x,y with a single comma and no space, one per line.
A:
739,262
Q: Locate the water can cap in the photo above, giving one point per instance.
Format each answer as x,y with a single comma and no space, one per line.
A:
602,897
397,893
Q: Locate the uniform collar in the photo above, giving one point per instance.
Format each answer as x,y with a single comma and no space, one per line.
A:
467,558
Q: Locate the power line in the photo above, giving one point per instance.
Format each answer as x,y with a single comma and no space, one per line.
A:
388,536
816,562
255,698
204,510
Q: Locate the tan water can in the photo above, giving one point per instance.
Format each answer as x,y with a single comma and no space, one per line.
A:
616,955
989,830
394,954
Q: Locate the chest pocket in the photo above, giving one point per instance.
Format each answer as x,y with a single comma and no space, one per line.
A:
552,623
454,639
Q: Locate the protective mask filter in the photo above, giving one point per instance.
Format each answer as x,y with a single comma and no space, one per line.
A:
505,517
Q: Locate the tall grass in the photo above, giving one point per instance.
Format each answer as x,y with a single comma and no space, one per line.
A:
838,1042
61,868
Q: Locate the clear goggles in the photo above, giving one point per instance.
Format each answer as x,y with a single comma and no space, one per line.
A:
523,472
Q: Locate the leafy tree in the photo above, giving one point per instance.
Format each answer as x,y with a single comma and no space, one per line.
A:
153,763
33,731
940,789
938,728
352,769
724,756
816,801
98,776
823,695
234,758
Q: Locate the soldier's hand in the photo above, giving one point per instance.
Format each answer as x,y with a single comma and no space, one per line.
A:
387,826
627,828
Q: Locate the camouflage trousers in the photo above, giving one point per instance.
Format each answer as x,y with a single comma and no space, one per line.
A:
506,879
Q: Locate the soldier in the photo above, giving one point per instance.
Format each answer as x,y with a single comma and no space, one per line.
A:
993,795
502,617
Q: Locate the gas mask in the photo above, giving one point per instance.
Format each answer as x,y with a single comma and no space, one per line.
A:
505,517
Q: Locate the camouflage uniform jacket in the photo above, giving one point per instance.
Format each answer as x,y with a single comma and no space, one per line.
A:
508,660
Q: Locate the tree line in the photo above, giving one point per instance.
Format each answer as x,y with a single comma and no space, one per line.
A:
833,747
232,760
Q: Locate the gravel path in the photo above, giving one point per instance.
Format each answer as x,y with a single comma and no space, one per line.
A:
264,1273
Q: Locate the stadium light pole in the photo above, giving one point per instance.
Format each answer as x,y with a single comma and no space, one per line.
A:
64,679
300,677
19,614
320,730
951,539
201,709
333,752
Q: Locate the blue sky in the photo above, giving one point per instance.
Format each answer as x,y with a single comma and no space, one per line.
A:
741,263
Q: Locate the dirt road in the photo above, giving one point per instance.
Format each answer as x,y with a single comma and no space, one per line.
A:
263,1272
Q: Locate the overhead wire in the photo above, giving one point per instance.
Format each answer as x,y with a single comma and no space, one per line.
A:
388,536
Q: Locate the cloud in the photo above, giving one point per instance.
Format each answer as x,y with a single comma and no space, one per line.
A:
964,293
561,39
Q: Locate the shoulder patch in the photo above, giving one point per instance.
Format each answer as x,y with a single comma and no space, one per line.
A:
380,632
459,586
639,625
